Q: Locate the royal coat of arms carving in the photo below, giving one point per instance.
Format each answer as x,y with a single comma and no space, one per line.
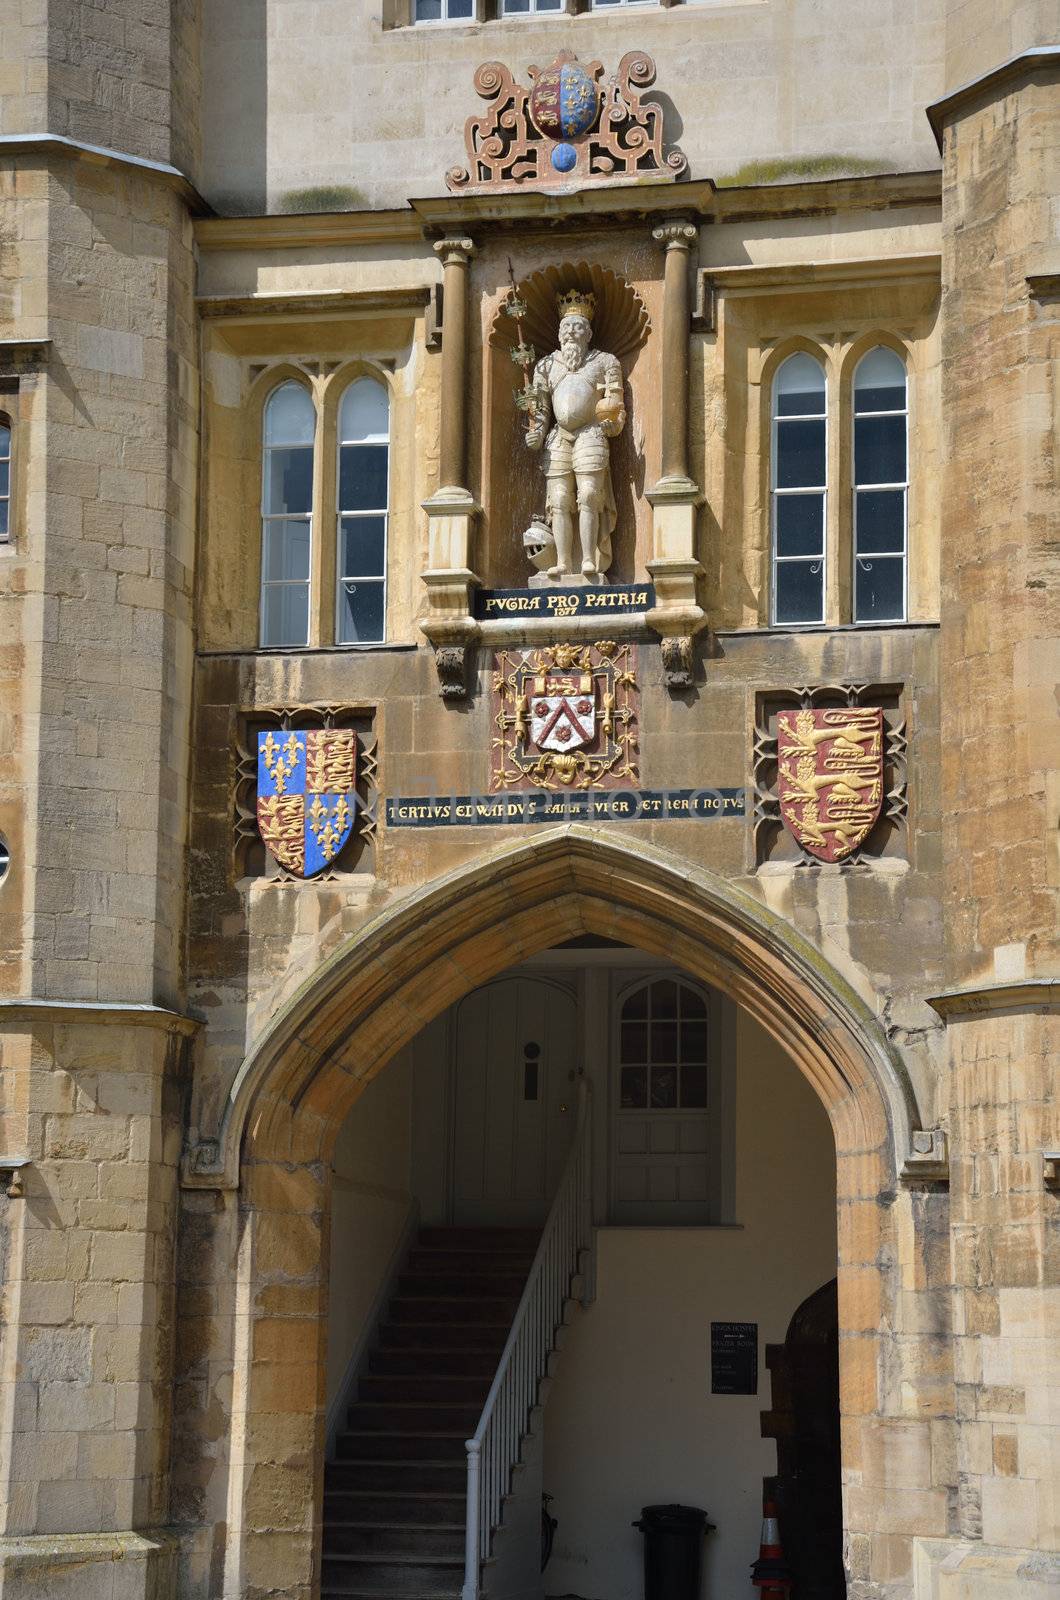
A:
567,129
306,801
830,777
565,718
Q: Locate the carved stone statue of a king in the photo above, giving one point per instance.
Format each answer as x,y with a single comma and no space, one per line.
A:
574,410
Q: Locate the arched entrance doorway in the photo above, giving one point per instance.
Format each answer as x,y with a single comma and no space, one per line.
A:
379,991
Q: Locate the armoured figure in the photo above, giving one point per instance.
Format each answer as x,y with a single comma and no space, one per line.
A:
575,410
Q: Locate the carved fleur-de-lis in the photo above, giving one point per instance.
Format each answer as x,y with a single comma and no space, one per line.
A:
269,749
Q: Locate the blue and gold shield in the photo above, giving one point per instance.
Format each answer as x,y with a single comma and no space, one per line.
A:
306,795
565,101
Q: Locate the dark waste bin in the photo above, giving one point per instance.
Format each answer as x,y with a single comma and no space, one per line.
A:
673,1551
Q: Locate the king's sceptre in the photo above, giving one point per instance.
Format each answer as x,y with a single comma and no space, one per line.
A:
523,352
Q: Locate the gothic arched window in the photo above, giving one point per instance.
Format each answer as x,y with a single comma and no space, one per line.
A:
363,499
799,490
881,487
288,432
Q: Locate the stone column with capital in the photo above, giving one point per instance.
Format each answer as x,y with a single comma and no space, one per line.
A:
677,615
451,509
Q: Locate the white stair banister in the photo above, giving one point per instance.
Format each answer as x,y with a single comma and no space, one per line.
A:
565,1251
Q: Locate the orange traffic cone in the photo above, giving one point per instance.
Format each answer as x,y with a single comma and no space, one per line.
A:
771,1572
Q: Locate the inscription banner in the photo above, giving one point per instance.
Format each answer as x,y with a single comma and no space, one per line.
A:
587,805
612,600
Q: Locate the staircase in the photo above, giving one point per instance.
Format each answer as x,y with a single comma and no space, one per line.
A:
395,1494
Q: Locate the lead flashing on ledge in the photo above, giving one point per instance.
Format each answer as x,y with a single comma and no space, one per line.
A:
1028,994
1039,57
101,155
30,1008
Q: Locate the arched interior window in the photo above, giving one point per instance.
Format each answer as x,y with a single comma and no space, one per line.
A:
664,1154
363,495
286,507
881,487
799,490
5,478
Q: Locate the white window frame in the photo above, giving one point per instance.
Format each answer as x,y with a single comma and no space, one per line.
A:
535,9
341,516
857,555
445,20
268,517
775,492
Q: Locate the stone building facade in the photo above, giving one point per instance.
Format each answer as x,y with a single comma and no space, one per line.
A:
205,204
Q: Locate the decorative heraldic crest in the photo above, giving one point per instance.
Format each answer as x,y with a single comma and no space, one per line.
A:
830,777
306,795
565,717
567,129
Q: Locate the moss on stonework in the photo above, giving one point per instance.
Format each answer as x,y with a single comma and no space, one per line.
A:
787,169
325,197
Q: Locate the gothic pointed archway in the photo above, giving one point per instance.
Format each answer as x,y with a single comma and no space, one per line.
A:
351,1016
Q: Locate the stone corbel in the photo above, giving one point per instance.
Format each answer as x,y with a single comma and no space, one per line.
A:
675,571
12,1169
928,1160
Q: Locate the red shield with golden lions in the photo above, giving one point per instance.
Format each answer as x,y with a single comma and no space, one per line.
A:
830,777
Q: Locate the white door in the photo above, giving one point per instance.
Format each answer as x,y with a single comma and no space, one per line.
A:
661,1121
515,1100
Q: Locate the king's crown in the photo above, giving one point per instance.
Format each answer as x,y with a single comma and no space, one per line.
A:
576,303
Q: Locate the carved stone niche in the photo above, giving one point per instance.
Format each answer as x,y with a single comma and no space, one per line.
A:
514,493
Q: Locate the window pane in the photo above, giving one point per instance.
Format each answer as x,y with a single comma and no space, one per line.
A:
5,474
879,449
692,1004
879,383
288,480
362,477
547,5
800,455
694,1085
361,613
800,591
693,1041
3,519
664,1041
799,387
365,413
363,547
800,524
664,998
515,7
289,416
286,619
286,551
459,8
663,1088
5,439
636,1005
428,10
634,1041
881,520
879,589
634,1090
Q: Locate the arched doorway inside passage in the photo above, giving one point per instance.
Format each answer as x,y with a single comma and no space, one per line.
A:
376,993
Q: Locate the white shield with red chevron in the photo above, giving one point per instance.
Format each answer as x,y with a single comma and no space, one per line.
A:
563,712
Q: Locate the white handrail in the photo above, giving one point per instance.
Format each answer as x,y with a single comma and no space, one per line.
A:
494,1449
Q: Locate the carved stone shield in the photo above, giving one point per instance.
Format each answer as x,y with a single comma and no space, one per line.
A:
563,714
830,777
306,795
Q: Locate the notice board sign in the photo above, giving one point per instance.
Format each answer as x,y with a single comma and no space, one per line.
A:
734,1358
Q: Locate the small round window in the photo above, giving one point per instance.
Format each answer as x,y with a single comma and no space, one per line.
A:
5,858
